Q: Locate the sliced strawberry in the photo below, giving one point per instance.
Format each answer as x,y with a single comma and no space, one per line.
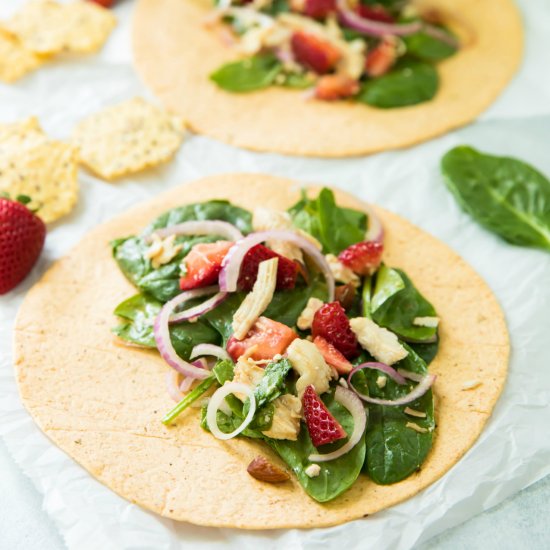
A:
382,57
287,270
103,3
203,264
375,13
269,337
22,235
332,356
363,258
331,323
323,428
319,8
335,86
313,52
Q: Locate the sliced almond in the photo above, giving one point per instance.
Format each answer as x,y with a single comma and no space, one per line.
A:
263,470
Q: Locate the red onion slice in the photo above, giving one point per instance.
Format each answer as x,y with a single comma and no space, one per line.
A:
375,231
374,28
174,391
349,400
204,227
440,34
209,349
424,385
161,333
195,312
382,367
216,402
231,265
414,376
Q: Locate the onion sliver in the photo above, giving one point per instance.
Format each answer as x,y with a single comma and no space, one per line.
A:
216,402
231,265
205,227
175,392
195,312
375,231
382,367
414,376
209,349
374,28
161,333
353,404
423,386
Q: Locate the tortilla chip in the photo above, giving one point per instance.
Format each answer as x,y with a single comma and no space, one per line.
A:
48,27
128,137
15,60
33,164
103,404
277,119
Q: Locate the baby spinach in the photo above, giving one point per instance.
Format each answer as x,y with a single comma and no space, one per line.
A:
333,226
503,194
223,371
395,451
272,383
139,313
408,83
429,48
253,73
396,303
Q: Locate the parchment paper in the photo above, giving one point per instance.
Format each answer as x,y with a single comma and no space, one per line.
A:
514,449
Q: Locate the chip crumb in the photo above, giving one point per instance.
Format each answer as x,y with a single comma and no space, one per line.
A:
470,385
15,60
313,470
44,169
127,138
412,412
381,381
416,427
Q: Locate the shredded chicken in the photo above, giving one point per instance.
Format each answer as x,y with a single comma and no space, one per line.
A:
382,344
162,251
286,418
342,273
305,319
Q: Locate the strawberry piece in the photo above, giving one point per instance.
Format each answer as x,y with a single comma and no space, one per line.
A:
323,428
331,323
287,270
332,356
203,264
375,13
104,3
22,236
363,258
269,337
382,57
319,8
335,86
313,52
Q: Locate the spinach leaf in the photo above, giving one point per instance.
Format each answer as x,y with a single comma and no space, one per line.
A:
393,450
247,75
429,48
505,195
139,313
298,81
223,371
396,303
334,227
272,383
228,423
190,398
336,475
410,82
276,7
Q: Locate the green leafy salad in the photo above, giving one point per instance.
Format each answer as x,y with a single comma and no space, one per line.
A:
382,53
287,328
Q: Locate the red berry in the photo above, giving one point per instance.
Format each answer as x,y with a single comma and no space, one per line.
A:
269,337
335,86
313,52
22,236
363,258
103,3
331,323
287,270
332,356
319,8
375,13
323,428
382,57
203,264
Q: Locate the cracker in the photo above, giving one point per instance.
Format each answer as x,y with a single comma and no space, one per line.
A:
48,27
15,60
128,137
44,169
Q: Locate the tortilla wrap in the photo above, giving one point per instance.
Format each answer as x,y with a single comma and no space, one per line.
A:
102,403
175,55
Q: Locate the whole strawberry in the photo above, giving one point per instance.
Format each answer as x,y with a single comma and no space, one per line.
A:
22,235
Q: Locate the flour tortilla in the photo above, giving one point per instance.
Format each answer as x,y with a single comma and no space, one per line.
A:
175,55
102,403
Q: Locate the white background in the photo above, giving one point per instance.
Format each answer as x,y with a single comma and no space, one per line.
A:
61,502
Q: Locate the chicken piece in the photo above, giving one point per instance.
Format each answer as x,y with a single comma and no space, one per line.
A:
286,418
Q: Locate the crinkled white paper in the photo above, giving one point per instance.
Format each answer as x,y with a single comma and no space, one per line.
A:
514,449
